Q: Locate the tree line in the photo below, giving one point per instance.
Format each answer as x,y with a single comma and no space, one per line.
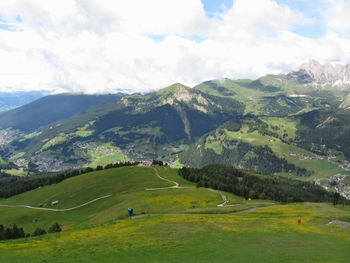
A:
18,232
13,185
250,185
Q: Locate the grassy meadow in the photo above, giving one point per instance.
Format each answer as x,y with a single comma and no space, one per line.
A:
171,225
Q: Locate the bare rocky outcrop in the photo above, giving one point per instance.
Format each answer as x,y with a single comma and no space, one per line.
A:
339,223
346,103
327,74
183,94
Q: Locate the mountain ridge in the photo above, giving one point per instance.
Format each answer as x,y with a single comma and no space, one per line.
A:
337,76
262,125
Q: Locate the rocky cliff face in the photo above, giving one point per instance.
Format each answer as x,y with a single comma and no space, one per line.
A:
346,103
316,73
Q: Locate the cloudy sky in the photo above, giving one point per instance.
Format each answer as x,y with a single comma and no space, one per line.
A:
99,46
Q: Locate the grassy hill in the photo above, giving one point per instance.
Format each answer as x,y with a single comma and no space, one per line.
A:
126,187
184,224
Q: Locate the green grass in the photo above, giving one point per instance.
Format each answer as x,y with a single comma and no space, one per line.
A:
268,235
56,140
251,98
285,126
347,180
177,164
82,133
20,154
17,172
199,232
2,161
29,136
106,153
215,146
127,187
341,157
292,153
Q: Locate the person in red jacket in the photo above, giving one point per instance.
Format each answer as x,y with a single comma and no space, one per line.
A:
299,220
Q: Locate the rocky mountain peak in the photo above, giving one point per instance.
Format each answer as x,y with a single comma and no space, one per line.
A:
326,74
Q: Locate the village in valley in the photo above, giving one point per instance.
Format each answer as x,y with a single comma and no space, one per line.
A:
339,182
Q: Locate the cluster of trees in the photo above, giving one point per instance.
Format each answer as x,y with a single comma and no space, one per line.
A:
11,233
116,165
248,185
282,106
18,232
13,185
334,133
255,124
7,165
158,162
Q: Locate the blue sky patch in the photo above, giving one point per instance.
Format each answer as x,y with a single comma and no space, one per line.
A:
157,38
7,27
212,7
196,38
19,19
4,25
315,31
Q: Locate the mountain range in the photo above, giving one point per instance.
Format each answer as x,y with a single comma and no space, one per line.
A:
294,124
11,100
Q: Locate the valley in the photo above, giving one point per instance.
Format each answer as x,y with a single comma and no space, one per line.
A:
175,131
276,124
244,160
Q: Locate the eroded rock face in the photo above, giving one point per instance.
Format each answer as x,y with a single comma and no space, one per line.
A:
182,94
346,103
327,74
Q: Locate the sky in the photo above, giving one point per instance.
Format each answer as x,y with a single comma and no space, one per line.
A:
104,46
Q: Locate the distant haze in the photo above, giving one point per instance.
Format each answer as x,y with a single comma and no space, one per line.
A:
103,46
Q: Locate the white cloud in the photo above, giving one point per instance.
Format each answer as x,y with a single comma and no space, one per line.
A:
99,46
338,15
251,19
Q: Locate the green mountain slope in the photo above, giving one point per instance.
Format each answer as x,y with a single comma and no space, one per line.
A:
51,109
325,131
275,124
274,95
293,146
152,126
248,144
11,100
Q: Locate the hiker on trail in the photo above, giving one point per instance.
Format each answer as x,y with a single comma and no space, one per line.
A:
130,211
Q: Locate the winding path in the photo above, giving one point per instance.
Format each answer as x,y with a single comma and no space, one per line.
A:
184,214
57,210
224,198
176,185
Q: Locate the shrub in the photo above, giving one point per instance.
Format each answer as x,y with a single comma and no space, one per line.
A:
54,228
38,231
